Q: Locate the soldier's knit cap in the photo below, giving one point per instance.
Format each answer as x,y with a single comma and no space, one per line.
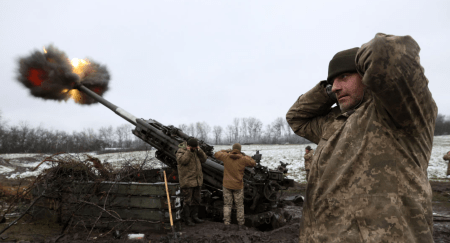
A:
308,148
192,142
237,146
342,62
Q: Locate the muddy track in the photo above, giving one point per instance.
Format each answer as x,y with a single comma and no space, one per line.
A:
211,231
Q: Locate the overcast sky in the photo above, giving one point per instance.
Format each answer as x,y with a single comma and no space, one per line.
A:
188,61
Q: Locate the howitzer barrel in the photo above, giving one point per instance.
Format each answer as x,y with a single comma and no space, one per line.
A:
215,169
119,111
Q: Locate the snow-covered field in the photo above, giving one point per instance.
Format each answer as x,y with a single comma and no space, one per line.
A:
271,157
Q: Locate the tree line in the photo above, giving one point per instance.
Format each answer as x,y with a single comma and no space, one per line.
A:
442,126
22,138
247,130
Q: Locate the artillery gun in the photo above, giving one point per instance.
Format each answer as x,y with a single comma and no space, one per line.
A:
261,185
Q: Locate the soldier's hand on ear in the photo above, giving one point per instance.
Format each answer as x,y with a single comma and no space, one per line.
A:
330,93
328,88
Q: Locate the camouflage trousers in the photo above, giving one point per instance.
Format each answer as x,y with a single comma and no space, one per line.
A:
307,175
192,195
238,197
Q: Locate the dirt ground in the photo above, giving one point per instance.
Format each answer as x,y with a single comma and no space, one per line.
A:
209,231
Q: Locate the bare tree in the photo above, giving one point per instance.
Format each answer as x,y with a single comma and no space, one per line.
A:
183,127
203,129
236,122
39,142
62,141
206,130
230,133
244,130
190,130
277,128
123,133
254,129
91,135
217,131
23,132
290,136
128,134
107,135
120,132
269,135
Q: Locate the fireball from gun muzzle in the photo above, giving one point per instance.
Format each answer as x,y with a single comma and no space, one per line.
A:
51,75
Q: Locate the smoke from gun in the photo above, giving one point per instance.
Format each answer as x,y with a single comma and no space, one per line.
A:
49,74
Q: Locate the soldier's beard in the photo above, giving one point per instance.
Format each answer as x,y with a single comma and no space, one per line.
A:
353,102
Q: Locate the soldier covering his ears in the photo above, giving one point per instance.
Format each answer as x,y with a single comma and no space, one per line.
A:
234,162
309,153
189,159
368,179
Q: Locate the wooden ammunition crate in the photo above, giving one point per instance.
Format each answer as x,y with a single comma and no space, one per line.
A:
136,206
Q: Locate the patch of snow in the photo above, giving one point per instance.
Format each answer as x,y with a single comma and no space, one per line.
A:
14,156
25,174
4,169
271,157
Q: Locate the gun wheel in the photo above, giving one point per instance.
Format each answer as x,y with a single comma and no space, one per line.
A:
271,192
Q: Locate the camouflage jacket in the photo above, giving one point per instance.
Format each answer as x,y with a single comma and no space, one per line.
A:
308,158
189,166
447,157
368,180
234,163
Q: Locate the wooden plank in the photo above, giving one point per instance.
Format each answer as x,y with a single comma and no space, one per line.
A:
126,213
122,188
115,200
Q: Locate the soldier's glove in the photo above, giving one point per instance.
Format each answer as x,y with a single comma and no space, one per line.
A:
328,88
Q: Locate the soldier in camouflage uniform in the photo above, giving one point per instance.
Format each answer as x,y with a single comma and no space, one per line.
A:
189,158
447,157
368,180
234,162
309,153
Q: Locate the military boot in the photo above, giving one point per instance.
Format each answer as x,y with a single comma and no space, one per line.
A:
195,215
187,216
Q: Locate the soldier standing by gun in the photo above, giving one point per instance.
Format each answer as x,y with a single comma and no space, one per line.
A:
368,180
309,153
447,157
234,162
189,158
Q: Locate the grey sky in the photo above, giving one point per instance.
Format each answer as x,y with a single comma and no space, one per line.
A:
188,61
